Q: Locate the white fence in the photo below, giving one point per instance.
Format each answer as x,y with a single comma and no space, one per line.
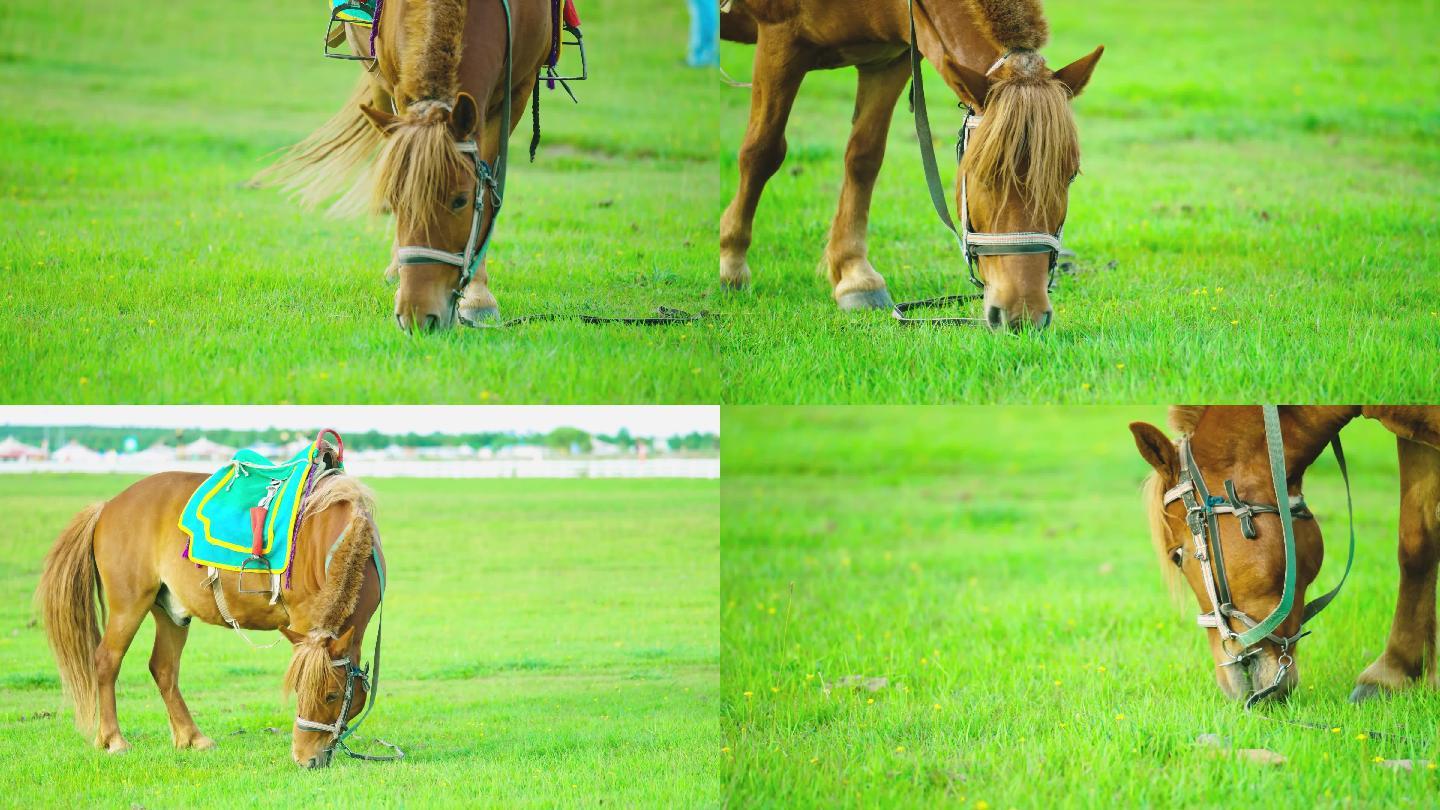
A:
499,468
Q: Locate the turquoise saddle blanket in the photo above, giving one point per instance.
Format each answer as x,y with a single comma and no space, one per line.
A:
218,518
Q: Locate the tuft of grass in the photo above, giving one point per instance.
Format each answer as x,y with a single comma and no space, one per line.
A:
1258,238
138,267
1033,658
513,614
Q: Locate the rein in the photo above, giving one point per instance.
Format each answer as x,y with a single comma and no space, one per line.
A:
1202,511
973,244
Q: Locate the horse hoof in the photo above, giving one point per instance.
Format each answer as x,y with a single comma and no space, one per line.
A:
734,273
866,299
117,747
480,316
202,743
1363,692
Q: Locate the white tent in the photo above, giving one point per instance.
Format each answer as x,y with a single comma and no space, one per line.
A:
205,450
74,451
11,449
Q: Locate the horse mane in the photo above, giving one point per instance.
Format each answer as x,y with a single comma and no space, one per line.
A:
1027,140
335,487
1010,24
1162,539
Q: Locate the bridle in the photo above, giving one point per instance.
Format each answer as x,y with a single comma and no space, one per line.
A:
1202,512
489,185
973,244
342,727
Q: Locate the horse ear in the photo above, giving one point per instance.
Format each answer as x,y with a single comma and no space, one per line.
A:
381,120
464,118
295,638
1155,447
973,87
1077,74
341,643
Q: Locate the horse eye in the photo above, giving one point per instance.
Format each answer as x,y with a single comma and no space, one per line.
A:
459,202
1177,556
331,697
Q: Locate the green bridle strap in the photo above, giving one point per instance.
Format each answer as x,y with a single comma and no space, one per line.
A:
1275,447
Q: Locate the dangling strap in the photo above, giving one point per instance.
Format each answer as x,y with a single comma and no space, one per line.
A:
1319,603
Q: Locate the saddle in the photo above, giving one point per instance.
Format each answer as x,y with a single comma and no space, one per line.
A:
243,517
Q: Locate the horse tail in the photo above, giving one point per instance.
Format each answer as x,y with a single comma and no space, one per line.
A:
331,160
68,602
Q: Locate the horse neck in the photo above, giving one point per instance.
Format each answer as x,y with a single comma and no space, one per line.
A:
956,32
1233,438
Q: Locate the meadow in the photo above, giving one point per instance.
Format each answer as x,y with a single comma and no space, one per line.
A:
138,267
993,567
1254,213
547,643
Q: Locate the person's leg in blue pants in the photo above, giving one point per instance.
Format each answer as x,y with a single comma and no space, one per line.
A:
704,33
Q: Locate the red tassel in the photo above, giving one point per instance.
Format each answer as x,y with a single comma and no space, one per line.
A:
572,17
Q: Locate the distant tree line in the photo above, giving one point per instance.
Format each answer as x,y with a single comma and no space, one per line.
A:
563,438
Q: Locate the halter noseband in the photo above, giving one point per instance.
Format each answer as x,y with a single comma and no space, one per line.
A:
1202,511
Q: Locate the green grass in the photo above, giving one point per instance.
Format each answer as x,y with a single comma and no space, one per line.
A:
994,565
138,269
1262,176
547,643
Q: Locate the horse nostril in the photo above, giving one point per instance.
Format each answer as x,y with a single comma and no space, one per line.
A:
431,321
1047,318
400,322
994,316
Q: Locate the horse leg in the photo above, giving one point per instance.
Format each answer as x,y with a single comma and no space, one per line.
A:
857,285
1410,652
780,66
478,305
120,630
165,669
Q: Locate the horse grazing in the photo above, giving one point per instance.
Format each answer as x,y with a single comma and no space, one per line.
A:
1015,174
436,151
1232,551
126,554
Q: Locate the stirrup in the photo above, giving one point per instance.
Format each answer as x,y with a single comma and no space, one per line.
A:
549,75
352,12
255,564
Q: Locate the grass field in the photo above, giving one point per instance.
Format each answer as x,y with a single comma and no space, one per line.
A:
580,667
994,566
1262,176
137,268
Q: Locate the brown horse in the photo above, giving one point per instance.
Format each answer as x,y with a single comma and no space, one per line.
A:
133,544
414,107
1228,443
1017,168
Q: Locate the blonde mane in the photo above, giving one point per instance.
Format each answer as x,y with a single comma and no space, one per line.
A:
1162,539
1027,141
